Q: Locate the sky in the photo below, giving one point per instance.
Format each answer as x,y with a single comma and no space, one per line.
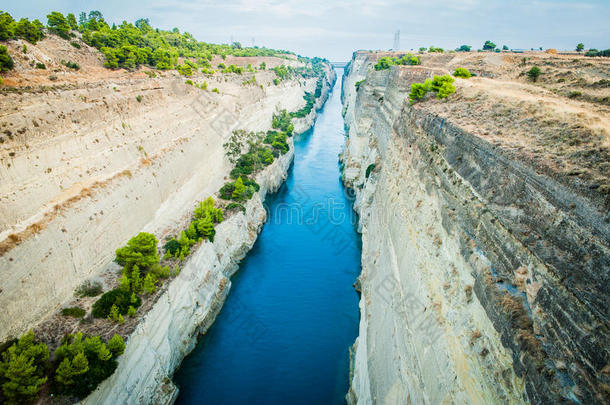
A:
335,28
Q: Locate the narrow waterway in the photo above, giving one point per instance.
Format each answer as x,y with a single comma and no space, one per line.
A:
284,333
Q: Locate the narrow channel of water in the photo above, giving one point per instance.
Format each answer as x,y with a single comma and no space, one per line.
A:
284,332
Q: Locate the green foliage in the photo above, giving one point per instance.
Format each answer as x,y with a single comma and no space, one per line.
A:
369,169
139,98
235,206
185,70
383,63
7,26
534,73
433,49
282,73
464,48
6,62
131,311
504,48
75,44
74,312
442,85
439,81
489,46
150,283
122,299
89,289
233,69
215,90
580,47
595,52
239,190
462,72
58,24
359,83
22,368
141,251
283,122
30,31
140,43
70,64
263,66
423,49
84,363
250,187
116,345
408,59
418,91
445,90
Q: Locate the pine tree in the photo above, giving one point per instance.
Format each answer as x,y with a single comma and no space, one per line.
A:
65,372
131,311
104,354
239,189
116,345
125,284
80,364
114,313
149,283
206,227
136,280
21,369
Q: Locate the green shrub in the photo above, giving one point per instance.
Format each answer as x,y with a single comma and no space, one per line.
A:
358,84
464,48
6,62
534,73
369,169
462,72
185,70
418,91
139,98
445,90
89,289
575,94
74,312
84,363
71,65
22,369
235,206
283,122
383,63
122,299
75,44
580,47
433,49
215,90
439,81
40,66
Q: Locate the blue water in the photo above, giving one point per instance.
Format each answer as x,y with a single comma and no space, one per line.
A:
284,332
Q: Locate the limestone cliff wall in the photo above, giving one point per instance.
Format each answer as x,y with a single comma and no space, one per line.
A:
482,281
190,304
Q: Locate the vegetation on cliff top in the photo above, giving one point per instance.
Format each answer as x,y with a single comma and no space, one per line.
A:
441,85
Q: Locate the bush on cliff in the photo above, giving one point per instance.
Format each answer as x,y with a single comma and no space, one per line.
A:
84,362
119,297
22,368
533,73
462,72
6,62
58,24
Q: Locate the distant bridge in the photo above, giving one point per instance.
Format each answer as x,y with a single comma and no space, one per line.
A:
340,65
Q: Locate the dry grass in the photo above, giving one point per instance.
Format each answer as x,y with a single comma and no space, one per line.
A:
560,125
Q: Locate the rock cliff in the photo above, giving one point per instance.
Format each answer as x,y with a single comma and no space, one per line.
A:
484,279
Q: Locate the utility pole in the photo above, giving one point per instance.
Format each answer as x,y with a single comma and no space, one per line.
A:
396,40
